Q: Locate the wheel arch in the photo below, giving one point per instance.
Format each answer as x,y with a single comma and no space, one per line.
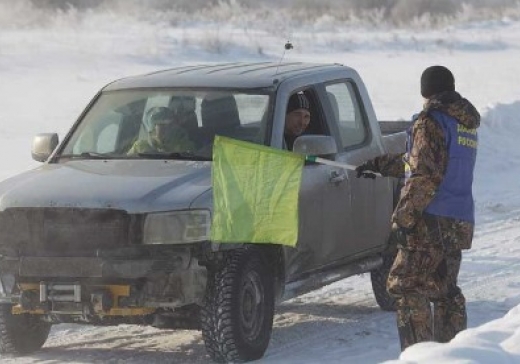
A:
274,255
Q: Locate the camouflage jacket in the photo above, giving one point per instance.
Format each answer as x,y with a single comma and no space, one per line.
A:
428,161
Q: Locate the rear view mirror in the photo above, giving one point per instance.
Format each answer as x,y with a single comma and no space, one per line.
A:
43,145
318,145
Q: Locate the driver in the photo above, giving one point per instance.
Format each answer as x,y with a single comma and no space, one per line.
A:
165,134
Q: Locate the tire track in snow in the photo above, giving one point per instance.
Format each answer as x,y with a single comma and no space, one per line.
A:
353,315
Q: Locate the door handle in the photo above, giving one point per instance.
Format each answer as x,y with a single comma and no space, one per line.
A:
336,177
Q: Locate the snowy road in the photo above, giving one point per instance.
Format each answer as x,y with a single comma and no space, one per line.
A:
337,322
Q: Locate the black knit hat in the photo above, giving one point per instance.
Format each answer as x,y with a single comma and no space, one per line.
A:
297,101
436,79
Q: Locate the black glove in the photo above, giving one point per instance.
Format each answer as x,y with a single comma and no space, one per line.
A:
399,233
366,170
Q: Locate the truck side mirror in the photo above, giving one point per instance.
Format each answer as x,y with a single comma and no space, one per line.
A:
43,145
318,145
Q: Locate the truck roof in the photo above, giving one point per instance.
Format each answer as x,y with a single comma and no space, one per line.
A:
225,75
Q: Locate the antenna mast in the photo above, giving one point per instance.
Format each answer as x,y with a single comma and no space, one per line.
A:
288,46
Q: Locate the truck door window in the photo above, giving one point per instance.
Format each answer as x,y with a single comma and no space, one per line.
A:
347,112
316,123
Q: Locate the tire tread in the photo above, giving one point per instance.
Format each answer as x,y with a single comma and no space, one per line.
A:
21,334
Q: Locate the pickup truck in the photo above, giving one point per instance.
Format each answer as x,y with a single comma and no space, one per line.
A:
97,235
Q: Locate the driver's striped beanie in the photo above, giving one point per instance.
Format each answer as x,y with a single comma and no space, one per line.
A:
298,101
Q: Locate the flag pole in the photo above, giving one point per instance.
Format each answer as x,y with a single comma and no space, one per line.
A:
312,158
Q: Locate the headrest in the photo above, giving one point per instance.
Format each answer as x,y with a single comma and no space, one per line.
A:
182,104
219,113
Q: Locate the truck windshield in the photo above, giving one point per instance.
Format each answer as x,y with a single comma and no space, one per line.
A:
170,124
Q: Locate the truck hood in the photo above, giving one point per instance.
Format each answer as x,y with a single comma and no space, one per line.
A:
136,186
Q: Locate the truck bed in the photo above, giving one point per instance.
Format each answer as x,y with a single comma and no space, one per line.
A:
393,135
392,127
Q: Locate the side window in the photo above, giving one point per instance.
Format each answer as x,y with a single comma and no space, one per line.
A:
107,138
347,113
102,138
302,116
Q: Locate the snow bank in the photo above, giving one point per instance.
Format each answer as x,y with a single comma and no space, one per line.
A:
496,184
496,342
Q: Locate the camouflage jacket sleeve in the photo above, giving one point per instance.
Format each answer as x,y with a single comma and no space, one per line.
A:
390,165
428,160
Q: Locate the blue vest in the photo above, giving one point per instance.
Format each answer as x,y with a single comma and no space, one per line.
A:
454,197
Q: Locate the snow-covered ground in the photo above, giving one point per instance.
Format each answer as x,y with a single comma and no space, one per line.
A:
47,75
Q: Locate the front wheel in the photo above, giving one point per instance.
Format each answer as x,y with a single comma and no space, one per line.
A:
237,317
21,334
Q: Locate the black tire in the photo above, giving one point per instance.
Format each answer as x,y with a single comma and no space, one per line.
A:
21,334
379,277
237,318
207,322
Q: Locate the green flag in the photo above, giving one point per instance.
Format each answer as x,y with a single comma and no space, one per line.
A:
255,193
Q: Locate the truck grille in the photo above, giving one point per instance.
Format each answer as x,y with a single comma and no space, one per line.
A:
63,231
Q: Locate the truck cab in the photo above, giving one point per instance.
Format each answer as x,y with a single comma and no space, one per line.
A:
113,227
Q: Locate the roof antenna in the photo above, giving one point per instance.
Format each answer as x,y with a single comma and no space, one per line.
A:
288,46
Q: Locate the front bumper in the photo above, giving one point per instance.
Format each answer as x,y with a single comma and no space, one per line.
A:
101,286
92,267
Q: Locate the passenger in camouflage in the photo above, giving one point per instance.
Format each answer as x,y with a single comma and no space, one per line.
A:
435,213
165,135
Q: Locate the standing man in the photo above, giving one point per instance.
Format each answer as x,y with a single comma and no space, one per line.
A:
434,216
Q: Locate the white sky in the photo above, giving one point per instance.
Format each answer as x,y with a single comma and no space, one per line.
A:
47,76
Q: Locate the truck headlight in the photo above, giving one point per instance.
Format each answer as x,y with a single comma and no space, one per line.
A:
177,227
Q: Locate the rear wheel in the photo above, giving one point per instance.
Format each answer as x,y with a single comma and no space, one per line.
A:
379,277
237,318
21,334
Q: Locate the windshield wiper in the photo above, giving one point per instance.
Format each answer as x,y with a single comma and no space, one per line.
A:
88,155
188,156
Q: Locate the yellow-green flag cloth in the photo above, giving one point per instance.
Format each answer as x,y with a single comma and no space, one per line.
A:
255,193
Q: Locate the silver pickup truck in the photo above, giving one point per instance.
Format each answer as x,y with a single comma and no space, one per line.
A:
103,233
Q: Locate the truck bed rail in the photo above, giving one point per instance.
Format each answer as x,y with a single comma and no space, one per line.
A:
392,127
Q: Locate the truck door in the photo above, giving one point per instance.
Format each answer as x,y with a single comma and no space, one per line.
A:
324,204
336,210
308,254
357,209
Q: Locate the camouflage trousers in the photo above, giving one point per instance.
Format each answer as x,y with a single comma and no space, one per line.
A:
430,305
